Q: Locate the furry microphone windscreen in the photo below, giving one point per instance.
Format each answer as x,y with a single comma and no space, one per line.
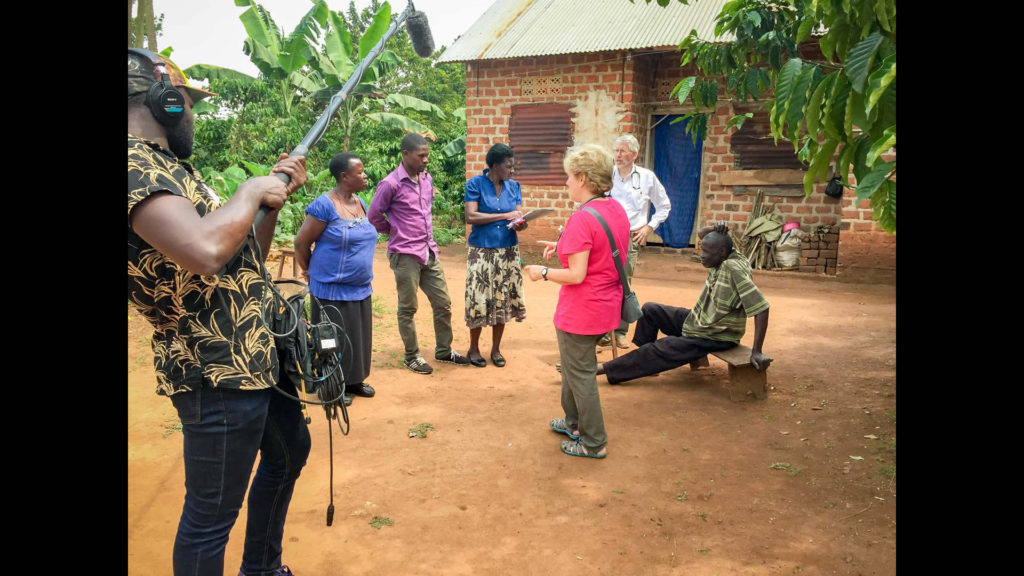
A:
419,34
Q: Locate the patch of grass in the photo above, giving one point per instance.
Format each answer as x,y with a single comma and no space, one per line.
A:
171,426
703,550
378,308
793,470
890,449
617,491
682,497
420,430
766,416
684,448
891,416
380,521
703,516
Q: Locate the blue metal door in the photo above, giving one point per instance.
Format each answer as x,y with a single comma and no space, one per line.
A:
677,165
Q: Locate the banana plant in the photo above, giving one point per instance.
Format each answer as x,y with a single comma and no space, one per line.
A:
282,59
367,101
458,145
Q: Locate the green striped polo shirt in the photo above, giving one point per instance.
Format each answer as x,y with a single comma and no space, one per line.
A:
728,299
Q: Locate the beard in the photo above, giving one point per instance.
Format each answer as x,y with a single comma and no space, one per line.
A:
180,137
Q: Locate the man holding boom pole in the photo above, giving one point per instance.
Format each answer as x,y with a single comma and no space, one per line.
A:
214,356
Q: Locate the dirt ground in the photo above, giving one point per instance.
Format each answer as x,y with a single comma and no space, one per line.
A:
800,483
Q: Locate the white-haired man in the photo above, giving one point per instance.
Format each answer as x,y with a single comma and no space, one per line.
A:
636,188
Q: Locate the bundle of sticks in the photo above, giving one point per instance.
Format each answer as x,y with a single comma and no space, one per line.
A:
763,229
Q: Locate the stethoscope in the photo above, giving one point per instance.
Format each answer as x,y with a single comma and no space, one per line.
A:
634,179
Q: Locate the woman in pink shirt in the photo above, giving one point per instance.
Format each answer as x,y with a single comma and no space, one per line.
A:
590,299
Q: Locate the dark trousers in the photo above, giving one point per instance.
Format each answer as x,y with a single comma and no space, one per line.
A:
356,319
223,430
657,355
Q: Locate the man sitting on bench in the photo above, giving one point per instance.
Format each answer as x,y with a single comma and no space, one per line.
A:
716,323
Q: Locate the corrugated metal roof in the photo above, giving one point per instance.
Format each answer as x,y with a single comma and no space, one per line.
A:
518,28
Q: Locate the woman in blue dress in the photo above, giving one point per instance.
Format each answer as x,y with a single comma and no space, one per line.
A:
339,268
494,275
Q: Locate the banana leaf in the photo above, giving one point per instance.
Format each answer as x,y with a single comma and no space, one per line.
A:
768,225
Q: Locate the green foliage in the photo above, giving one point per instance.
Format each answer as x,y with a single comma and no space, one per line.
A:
252,120
446,236
282,59
793,470
379,522
226,182
171,426
840,111
368,99
420,430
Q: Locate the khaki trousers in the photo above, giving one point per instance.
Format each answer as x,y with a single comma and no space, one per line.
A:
580,399
411,276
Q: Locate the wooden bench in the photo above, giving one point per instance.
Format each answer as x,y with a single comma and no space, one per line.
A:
743,377
287,252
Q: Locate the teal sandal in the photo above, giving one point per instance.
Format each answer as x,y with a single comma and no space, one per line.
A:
576,448
558,425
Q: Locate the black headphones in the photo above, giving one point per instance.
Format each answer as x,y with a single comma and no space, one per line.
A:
164,100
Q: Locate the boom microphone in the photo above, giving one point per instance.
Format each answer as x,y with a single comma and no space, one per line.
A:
419,34
422,43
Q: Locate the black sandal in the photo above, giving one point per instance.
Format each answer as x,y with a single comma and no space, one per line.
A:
477,360
498,359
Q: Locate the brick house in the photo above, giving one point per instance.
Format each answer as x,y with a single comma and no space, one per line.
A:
542,75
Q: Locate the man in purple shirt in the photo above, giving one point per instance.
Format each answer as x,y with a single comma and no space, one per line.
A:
402,210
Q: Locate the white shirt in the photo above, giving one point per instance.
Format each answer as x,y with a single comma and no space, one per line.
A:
636,193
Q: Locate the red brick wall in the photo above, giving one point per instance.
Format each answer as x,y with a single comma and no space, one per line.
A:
720,203
853,241
865,246
494,86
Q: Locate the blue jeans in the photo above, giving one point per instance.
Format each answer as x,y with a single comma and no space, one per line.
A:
224,429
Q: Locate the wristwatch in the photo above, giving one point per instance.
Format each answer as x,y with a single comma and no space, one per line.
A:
544,273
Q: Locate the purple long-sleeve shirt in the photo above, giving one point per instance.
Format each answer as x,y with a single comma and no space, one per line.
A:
402,209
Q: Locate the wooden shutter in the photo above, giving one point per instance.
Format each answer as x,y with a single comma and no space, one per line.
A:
753,147
540,134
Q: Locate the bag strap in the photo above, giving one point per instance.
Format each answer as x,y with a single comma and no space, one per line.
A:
615,250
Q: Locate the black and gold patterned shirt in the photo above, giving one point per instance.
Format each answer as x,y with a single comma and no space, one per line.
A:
200,338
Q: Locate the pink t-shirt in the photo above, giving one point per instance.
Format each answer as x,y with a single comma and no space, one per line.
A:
593,306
